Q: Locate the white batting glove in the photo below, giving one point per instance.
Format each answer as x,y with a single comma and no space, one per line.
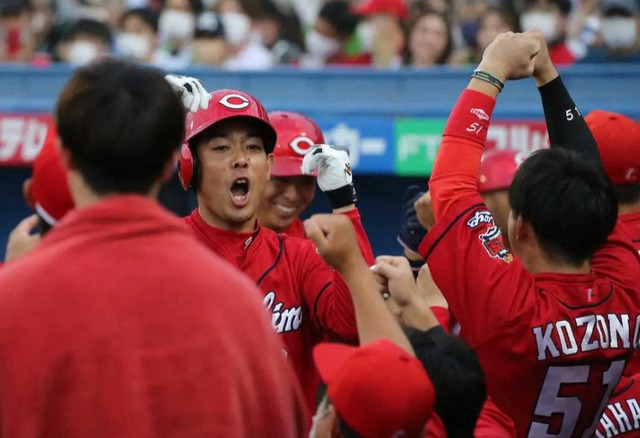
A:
191,91
335,178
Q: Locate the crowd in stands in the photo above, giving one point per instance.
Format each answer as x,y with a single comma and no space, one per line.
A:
261,34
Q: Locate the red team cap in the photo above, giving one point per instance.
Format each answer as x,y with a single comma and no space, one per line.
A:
497,169
618,140
224,105
48,190
379,390
296,136
398,8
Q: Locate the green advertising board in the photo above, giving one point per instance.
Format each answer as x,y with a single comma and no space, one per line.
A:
417,142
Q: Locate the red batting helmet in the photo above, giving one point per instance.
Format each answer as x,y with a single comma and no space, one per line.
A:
224,105
497,169
296,136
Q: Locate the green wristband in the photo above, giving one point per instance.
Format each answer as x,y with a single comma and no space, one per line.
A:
488,77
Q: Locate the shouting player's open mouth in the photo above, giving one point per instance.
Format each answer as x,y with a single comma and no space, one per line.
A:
240,192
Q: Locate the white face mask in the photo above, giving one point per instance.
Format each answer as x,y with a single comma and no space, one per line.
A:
133,45
367,35
237,28
176,25
619,32
545,22
82,53
320,45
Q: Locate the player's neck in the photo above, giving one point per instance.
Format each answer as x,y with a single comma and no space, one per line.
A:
633,207
235,227
85,196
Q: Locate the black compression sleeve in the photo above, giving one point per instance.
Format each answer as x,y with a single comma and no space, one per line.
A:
566,126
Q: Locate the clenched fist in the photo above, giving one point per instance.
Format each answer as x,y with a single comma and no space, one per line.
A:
335,239
511,56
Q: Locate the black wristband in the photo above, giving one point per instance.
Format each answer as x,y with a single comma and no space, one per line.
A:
345,195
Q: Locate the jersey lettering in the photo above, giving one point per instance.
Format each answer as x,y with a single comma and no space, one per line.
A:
619,418
282,320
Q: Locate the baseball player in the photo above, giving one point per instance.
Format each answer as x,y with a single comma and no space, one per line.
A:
227,158
289,191
120,323
618,140
559,318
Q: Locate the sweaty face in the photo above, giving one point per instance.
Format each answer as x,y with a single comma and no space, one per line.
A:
284,199
234,170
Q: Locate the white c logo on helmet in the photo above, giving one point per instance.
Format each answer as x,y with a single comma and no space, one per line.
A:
302,145
234,101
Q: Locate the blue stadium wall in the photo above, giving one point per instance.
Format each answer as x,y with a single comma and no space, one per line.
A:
394,119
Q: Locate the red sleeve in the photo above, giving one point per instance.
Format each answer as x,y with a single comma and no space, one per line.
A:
493,423
485,286
455,171
617,259
363,240
326,294
443,316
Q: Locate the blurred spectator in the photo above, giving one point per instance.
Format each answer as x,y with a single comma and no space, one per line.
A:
430,40
209,46
619,33
279,32
327,42
85,41
42,20
18,41
107,11
176,28
382,32
138,37
550,17
492,22
246,52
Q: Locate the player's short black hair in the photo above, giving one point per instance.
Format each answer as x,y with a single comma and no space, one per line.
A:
147,15
628,193
338,13
457,378
122,123
569,202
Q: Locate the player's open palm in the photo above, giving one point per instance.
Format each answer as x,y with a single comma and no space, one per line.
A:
335,239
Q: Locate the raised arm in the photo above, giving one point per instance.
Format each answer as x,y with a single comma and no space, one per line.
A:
566,126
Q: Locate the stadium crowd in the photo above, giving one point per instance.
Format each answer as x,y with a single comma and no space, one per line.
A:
260,34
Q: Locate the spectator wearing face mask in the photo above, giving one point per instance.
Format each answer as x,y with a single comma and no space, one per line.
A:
138,36
430,40
327,42
280,32
84,42
209,46
619,31
381,32
176,28
245,51
550,17
17,43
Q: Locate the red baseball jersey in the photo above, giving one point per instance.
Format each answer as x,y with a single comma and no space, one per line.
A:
305,297
631,224
622,415
553,346
121,324
296,229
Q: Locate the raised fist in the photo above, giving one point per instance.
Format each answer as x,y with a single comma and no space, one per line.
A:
335,239
511,56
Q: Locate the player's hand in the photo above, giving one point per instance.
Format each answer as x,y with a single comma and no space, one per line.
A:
335,178
411,231
544,71
400,281
21,239
428,289
424,210
191,91
335,239
511,56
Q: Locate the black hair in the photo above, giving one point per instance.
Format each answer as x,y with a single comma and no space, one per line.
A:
122,123
448,48
147,15
569,202
13,8
627,193
563,5
338,13
507,14
87,26
457,378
